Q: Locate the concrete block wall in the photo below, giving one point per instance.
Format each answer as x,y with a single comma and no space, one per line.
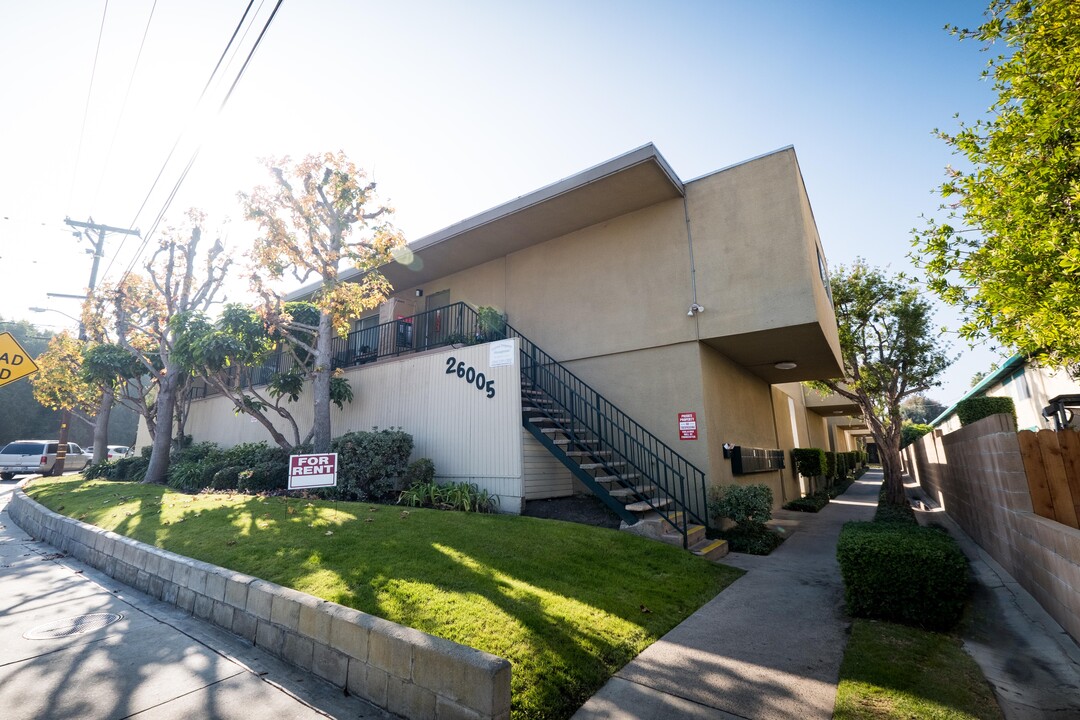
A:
977,475
402,670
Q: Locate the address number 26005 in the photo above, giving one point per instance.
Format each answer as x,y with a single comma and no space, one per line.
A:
470,375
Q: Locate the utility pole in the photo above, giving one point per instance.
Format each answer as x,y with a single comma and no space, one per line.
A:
99,252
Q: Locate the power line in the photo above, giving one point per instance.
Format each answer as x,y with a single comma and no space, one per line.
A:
123,105
86,109
176,144
198,149
198,102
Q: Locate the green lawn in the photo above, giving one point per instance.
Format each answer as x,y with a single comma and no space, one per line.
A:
566,604
893,672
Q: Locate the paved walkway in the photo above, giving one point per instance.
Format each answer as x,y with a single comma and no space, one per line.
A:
769,646
1032,664
156,663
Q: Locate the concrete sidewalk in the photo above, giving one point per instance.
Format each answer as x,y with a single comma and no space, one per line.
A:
1031,663
769,646
152,662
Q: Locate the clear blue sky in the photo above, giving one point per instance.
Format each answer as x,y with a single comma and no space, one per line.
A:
457,107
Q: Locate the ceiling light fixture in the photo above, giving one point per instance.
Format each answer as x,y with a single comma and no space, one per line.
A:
785,365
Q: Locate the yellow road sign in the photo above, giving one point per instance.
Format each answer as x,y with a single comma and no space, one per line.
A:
15,363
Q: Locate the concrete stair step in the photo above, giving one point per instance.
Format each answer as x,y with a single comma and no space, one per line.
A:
546,420
601,466
644,507
589,453
627,494
556,430
616,478
694,533
710,549
568,441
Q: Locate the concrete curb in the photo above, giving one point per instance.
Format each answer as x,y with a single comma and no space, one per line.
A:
402,670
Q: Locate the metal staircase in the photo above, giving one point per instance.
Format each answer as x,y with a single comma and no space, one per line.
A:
637,475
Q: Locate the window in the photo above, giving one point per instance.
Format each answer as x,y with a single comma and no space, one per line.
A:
1017,385
824,272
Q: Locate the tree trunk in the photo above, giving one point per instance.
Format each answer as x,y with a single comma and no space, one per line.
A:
101,425
158,469
892,471
320,384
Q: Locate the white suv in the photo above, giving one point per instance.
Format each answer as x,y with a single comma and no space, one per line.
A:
25,457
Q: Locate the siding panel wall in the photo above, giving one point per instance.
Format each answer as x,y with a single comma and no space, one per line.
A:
469,436
545,477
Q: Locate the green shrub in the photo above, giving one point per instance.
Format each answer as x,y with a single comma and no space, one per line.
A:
811,503
839,488
264,477
887,512
124,469
976,408
419,472
746,505
227,478
369,464
902,573
466,497
809,462
830,465
841,466
758,540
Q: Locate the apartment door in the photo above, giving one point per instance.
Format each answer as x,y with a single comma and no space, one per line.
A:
436,320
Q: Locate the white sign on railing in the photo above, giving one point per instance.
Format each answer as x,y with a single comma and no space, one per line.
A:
501,353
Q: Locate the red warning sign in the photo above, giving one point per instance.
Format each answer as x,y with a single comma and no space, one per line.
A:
688,426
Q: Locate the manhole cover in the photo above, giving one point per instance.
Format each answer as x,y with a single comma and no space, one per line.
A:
72,626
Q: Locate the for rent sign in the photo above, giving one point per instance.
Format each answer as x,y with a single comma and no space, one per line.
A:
312,471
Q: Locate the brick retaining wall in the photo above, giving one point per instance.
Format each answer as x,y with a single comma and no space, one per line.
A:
405,671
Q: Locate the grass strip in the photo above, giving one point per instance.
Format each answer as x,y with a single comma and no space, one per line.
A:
895,672
566,604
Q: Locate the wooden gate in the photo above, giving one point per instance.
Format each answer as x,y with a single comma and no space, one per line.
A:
1052,463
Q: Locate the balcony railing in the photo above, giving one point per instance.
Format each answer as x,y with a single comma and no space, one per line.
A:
455,324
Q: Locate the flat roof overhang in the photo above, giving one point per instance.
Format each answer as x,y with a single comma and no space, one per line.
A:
830,404
805,345
633,181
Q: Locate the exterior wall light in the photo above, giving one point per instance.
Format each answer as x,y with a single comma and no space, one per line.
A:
785,365
419,292
695,308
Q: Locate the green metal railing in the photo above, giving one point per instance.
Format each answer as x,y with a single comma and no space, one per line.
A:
634,450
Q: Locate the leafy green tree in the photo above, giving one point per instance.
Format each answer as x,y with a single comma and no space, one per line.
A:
1008,249
888,354
911,431
144,308
920,409
319,214
239,355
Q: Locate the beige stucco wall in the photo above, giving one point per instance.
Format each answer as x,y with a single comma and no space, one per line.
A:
788,405
739,411
755,251
653,386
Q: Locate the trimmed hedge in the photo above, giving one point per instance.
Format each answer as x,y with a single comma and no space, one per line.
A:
810,503
976,408
808,462
902,573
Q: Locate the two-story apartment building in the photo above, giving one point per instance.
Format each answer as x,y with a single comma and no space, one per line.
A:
657,331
